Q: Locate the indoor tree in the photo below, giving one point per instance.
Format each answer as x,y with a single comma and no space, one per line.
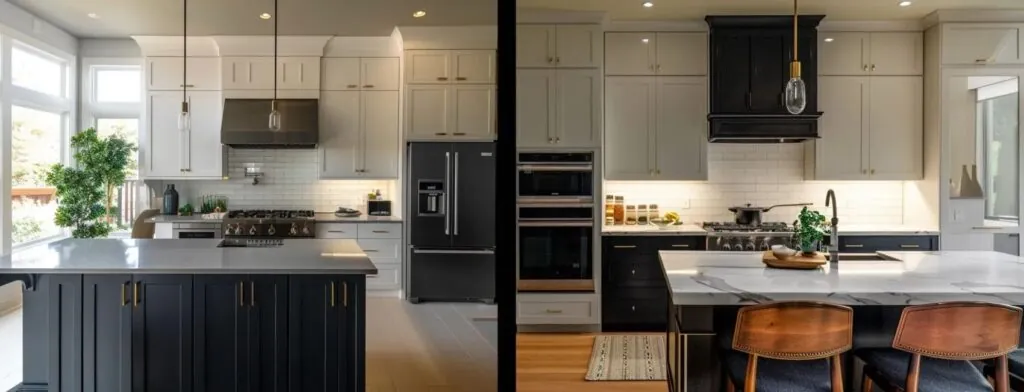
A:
85,192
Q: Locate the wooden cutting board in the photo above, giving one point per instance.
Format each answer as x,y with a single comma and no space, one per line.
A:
797,261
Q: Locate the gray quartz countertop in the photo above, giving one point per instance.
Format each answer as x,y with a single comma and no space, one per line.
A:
907,278
329,217
193,256
683,229
182,219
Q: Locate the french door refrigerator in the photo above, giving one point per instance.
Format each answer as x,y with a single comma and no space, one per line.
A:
451,221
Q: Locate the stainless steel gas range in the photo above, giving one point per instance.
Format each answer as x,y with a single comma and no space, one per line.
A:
746,238
269,224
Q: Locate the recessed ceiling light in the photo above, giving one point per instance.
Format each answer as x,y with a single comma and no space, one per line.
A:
645,40
648,4
264,16
905,3
419,14
93,15
829,39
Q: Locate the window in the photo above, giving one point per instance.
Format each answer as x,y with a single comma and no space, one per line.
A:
998,108
127,129
36,144
118,85
36,72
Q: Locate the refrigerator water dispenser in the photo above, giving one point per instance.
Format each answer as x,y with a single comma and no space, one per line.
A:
431,198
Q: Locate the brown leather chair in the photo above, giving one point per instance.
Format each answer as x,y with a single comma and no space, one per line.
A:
935,343
141,229
789,346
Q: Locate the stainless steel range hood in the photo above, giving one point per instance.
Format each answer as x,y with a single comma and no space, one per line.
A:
244,124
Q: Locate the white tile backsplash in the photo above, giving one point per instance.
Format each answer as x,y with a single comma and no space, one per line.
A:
763,175
290,181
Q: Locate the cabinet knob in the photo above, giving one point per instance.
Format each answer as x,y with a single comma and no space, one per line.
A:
551,60
442,78
558,60
864,171
353,86
368,86
872,67
657,171
658,66
872,171
558,140
865,67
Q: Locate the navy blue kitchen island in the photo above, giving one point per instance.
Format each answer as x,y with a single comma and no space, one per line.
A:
186,315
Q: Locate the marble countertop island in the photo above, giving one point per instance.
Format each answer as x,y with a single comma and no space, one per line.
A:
196,256
739,278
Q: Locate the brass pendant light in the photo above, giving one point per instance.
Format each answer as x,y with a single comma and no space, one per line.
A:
274,122
796,90
184,118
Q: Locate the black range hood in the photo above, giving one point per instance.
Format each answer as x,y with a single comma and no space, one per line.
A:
749,58
244,124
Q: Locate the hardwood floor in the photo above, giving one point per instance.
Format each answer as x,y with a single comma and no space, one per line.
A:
558,362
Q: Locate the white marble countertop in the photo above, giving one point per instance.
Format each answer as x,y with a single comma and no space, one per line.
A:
887,230
683,229
329,217
731,278
182,219
193,256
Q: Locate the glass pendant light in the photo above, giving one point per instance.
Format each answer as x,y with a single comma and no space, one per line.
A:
796,90
274,122
184,118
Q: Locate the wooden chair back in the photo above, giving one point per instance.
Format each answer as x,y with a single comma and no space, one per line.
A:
962,331
142,229
794,330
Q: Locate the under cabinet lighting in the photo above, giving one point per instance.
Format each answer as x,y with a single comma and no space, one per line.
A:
829,39
419,14
93,15
648,4
905,3
264,16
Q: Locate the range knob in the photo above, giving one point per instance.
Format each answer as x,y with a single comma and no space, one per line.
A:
271,230
737,245
227,230
766,243
238,229
252,230
294,230
305,230
723,244
750,247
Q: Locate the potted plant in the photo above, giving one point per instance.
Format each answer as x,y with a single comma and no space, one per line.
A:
186,210
810,228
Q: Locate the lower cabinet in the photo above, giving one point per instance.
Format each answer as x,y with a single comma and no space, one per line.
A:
875,243
162,333
318,329
106,333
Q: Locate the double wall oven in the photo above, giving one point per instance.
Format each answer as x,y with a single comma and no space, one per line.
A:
556,221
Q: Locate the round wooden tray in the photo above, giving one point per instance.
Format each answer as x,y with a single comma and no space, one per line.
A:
798,261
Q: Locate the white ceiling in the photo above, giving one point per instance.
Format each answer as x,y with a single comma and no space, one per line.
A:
122,18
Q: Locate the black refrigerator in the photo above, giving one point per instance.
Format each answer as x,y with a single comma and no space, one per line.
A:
451,221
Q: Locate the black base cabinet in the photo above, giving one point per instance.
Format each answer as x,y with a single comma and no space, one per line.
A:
634,292
875,243
184,333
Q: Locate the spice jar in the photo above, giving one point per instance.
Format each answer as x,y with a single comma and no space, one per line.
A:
620,210
641,214
653,213
609,210
630,215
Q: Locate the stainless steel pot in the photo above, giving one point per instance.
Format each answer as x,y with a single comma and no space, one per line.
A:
747,215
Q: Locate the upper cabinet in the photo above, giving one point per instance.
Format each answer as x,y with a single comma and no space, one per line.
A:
668,54
989,43
298,73
370,74
876,53
450,112
166,73
359,135
449,66
257,73
558,108
549,46
170,153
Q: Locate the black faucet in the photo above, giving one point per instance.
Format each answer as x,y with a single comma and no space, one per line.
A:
833,246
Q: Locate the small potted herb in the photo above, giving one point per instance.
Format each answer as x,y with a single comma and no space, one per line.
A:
810,228
186,210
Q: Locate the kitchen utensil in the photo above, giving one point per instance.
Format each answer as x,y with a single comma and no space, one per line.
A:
799,261
748,215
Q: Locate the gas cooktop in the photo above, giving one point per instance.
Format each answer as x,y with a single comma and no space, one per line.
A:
270,214
766,227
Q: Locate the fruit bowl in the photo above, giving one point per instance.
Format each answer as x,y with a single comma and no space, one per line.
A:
663,224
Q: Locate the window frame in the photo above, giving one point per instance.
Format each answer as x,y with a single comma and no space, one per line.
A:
93,110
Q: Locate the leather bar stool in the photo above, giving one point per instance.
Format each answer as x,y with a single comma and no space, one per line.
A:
789,347
1015,365
935,343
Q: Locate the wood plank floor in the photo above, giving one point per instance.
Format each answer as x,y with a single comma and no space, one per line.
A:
558,362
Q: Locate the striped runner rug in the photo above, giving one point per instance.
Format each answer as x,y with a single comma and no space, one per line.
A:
627,358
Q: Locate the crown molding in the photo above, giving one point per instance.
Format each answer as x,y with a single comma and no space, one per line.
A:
157,46
551,16
976,16
871,25
673,26
362,47
449,37
263,45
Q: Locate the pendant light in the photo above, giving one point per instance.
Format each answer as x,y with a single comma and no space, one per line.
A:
796,91
274,121
184,118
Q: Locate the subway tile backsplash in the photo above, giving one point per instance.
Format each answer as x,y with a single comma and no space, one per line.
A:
764,175
290,181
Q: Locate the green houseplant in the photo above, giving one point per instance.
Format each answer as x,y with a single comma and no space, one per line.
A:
810,228
85,192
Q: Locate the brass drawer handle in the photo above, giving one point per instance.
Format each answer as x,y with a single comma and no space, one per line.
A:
442,78
553,311
187,85
124,295
909,246
460,78
440,134
368,86
680,246
241,294
344,293
335,231
353,86
459,134
369,251
624,246
381,231
854,246
135,294
332,294
252,293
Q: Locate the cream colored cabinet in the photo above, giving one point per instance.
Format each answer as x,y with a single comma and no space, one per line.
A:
382,243
195,153
558,108
166,73
450,112
472,112
298,73
450,66
655,128
359,135
649,53
352,73
982,44
874,54
247,73
426,111
548,46
872,129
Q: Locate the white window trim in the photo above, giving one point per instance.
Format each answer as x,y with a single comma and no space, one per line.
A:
92,110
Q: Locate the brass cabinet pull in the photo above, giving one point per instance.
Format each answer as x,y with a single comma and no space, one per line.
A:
344,293
332,294
460,78
353,86
864,171
680,246
872,67
872,171
551,59
909,246
558,60
372,276
442,78
553,311
865,67
368,86
440,134
624,246
369,251
135,294
241,294
981,61
854,246
124,295
381,231
335,231
187,85
252,293
459,134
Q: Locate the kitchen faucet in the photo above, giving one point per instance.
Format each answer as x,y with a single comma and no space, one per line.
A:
833,243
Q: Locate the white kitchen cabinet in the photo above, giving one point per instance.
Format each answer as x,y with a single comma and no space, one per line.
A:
353,73
872,129
247,73
987,43
195,153
359,134
426,111
298,73
473,66
165,73
548,46
663,54
382,243
472,112
379,73
680,140
450,66
875,54
427,66
558,108
656,128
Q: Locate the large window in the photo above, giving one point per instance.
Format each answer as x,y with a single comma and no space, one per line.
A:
36,71
36,144
998,108
117,84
